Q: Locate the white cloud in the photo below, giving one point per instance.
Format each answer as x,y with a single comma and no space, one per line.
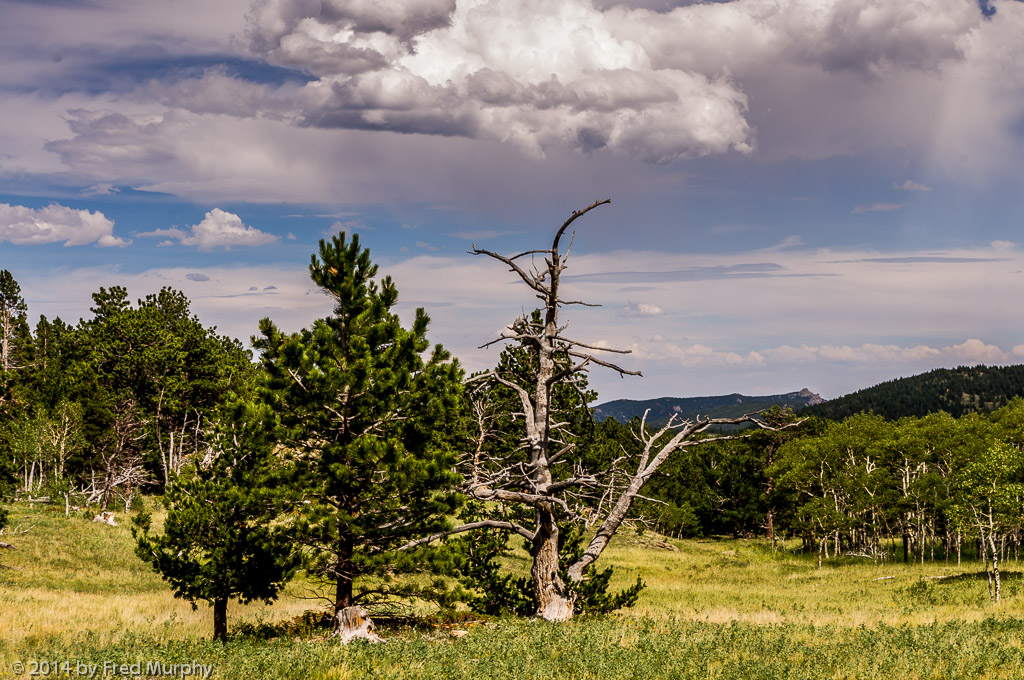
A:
808,79
219,229
638,309
878,207
834,322
560,75
911,185
54,223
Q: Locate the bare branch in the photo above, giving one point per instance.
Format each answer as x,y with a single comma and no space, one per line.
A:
578,302
575,216
570,341
621,371
483,524
528,252
532,281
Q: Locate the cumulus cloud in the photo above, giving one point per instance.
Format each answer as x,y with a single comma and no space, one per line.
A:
534,73
27,226
656,84
807,79
219,229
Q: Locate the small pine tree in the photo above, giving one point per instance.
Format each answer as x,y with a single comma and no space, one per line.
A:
221,540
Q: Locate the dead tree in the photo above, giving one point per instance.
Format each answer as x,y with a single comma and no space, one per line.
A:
530,478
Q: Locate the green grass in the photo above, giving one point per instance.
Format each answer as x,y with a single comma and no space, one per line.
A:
75,592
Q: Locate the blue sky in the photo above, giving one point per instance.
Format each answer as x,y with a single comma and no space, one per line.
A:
815,193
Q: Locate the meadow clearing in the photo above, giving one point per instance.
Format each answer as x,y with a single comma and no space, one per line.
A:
75,600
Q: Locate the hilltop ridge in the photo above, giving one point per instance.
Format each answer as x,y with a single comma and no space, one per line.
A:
723,406
957,391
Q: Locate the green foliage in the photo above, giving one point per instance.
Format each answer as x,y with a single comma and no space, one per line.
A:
221,539
494,591
479,569
150,372
605,649
13,351
369,425
723,488
15,346
591,593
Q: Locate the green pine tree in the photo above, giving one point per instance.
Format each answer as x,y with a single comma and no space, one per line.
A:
367,421
221,539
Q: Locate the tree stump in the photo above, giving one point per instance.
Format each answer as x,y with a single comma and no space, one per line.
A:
353,623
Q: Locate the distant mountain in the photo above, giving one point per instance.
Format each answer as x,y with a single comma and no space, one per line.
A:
727,406
954,390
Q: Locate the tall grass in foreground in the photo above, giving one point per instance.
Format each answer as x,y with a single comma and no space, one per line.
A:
718,609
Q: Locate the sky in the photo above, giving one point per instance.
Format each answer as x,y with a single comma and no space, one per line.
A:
807,193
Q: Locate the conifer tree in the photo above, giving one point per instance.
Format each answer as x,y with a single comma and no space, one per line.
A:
221,540
13,333
12,321
366,419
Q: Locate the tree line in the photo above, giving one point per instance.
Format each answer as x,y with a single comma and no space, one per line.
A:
914,489
358,452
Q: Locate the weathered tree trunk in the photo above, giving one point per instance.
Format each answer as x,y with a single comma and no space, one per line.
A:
220,619
353,623
554,599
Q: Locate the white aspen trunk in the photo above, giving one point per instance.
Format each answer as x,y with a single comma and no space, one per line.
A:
995,566
984,555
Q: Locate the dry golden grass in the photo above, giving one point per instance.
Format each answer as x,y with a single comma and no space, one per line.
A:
75,591
70,574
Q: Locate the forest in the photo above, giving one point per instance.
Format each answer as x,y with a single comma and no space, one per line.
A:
359,455
957,391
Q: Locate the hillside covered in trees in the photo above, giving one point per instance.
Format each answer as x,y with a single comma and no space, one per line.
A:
724,406
957,391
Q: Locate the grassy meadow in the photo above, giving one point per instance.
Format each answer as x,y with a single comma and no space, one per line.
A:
73,591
